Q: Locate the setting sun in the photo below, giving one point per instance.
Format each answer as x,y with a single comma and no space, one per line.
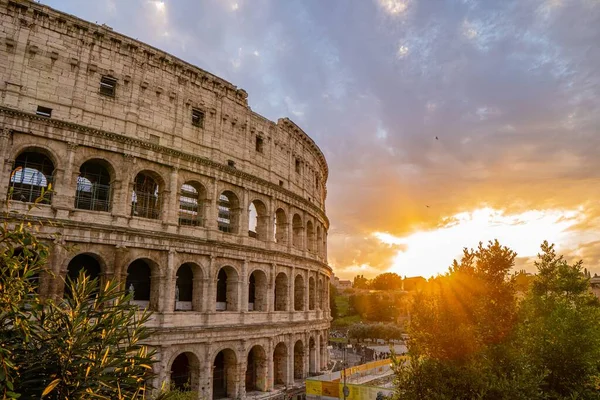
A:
428,253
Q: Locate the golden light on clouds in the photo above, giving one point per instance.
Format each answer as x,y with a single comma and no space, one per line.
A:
393,7
428,253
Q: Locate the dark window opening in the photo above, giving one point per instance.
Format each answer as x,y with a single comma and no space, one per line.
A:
108,86
93,187
197,118
44,112
280,183
231,163
259,144
30,178
298,166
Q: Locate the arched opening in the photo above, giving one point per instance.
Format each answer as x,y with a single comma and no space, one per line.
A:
227,289
145,200
93,186
311,293
185,372
319,241
31,175
310,237
257,220
256,370
82,262
191,204
280,367
299,293
281,292
297,229
184,288
312,357
299,360
139,282
229,212
281,227
224,375
257,291
320,295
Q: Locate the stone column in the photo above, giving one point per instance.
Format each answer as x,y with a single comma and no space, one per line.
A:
7,162
63,197
167,301
55,277
243,288
212,201
210,299
290,368
270,366
244,214
120,269
306,292
291,292
171,199
122,188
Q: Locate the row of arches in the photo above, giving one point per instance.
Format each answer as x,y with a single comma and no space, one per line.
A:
191,287
33,172
258,370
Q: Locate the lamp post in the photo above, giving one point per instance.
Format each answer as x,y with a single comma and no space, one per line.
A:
345,389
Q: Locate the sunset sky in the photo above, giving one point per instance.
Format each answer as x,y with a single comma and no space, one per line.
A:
511,90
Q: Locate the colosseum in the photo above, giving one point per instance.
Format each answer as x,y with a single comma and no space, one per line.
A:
164,179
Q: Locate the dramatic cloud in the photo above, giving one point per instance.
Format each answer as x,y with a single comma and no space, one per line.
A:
424,109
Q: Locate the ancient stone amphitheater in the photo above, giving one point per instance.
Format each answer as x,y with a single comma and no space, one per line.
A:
164,179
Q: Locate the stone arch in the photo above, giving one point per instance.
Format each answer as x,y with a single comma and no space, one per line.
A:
311,293
312,356
297,230
185,372
188,287
310,236
227,289
224,376
299,293
32,173
281,292
256,369
192,198
93,191
146,198
257,291
280,226
299,360
257,220
91,264
280,364
320,294
140,274
228,218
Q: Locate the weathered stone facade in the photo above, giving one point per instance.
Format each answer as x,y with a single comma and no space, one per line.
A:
164,179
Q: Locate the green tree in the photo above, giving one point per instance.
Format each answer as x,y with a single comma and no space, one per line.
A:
90,345
461,328
360,282
561,328
387,281
332,305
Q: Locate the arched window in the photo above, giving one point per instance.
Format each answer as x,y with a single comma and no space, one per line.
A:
298,293
320,295
281,226
297,231
227,293
281,292
280,367
319,241
191,204
229,212
310,237
257,291
82,262
299,360
145,200
184,288
139,282
311,293
224,375
185,372
257,220
256,370
31,175
93,187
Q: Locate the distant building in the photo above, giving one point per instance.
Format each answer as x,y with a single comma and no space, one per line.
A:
413,283
340,284
595,285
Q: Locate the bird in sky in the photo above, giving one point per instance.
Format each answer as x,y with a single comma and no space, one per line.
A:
436,138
